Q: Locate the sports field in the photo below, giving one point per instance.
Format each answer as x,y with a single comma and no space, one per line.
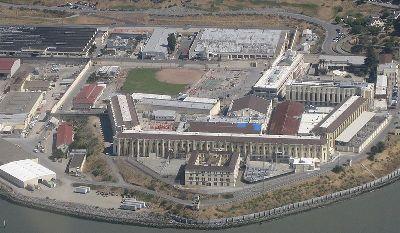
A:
144,80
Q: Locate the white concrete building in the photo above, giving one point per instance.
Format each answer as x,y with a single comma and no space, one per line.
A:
273,82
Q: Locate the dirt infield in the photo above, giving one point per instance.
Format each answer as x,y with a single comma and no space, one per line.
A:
179,76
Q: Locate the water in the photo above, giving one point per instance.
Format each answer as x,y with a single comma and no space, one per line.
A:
370,213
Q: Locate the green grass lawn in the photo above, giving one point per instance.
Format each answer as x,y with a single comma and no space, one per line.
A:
144,80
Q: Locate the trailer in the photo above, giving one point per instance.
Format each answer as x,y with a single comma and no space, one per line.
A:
82,189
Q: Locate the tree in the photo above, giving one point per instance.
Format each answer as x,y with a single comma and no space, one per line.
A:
337,169
57,154
371,62
357,48
338,19
171,42
396,26
380,146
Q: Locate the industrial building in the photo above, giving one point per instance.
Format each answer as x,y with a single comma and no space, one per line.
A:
27,172
156,47
46,41
17,110
326,93
88,96
122,113
212,169
233,44
272,84
340,118
8,67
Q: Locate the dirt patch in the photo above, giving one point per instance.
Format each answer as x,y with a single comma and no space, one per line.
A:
179,76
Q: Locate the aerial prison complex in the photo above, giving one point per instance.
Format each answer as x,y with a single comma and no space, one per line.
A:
134,136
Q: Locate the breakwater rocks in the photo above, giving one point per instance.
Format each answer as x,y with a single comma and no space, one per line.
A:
148,219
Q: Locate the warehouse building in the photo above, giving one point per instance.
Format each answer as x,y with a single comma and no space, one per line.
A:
326,93
88,96
17,110
46,41
340,118
27,172
272,83
8,67
122,113
212,169
156,47
238,44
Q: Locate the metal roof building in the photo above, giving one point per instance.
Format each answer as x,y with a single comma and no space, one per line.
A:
27,172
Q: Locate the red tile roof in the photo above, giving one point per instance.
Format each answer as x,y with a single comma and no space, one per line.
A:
65,135
88,94
285,119
6,63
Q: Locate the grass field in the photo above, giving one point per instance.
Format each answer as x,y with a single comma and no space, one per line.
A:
144,80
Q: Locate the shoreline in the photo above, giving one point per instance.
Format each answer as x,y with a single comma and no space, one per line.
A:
148,219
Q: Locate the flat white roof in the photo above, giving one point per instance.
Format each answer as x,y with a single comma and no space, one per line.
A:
339,111
277,75
381,85
177,103
273,78
245,41
139,96
158,41
123,105
25,170
200,100
309,121
354,127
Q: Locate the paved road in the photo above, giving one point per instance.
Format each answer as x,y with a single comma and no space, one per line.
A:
330,29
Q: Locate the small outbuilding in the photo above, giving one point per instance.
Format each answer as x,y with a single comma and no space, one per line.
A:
77,161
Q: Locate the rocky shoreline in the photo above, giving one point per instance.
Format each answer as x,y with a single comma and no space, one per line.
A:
147,219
